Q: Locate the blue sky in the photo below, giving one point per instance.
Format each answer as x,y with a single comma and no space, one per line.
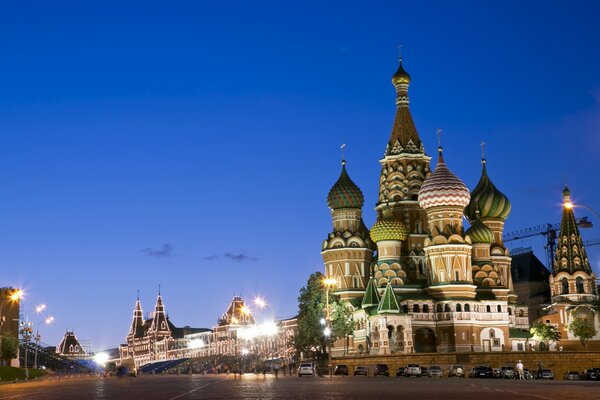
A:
214,129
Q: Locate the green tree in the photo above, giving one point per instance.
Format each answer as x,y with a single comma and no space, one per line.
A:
9,347
582,328
545,333
312,310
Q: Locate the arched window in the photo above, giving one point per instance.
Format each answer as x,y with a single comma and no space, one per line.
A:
492,334
565,285
418,226
425,308
488,308
416,308
509,311
579,285
458,308
467,308
447,307
438,308
499,308
405,308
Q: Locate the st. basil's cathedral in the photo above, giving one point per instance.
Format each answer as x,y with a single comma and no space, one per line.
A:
417,281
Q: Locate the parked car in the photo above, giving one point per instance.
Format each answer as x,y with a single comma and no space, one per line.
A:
482,371
572,376
425,372
592,374
547,374
381,369
360,370
507,373
340,370
527,374
456,370
306,369
413,370
435,371
401,371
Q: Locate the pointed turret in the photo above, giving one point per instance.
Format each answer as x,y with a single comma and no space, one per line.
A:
137,325
160,325
344,193
371,297
570,252
389,302
404,137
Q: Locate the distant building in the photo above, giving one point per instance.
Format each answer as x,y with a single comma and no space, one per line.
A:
70,347
9,317
530,281
158,339
573,285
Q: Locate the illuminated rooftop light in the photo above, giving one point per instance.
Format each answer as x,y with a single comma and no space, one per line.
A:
101,358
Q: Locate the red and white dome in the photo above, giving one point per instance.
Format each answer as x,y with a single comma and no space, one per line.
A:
443,188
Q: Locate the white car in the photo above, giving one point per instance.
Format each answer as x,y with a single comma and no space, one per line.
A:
306,369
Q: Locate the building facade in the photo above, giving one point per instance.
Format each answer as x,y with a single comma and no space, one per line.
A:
573,285
9,317
417,281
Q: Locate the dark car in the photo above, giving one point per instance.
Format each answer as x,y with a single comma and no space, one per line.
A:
547,374
425,372
341,370
381,369
592,374
401,371
482,371
360,370
435,371
507,373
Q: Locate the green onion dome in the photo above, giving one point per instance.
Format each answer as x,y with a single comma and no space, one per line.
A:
388,229
480,233
487,200
344,193
400,76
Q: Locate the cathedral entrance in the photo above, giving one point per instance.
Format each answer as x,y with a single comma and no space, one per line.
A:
425,341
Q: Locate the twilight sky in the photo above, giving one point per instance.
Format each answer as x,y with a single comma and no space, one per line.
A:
192,145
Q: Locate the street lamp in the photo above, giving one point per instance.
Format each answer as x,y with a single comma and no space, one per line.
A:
26,332
328,282
47,321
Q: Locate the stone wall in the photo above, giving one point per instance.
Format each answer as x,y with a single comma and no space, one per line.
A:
558,362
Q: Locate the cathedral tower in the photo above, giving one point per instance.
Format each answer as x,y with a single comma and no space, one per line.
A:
444,197
137,325
160,325
404,168
347,251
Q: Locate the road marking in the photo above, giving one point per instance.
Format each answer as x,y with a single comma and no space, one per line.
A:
532,395
196,389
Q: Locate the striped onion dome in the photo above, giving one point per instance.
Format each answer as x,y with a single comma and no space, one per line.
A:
487,200
388,229
344,193
480,233
443,188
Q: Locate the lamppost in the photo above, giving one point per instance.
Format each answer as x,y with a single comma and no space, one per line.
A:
47,321
329,282
26,332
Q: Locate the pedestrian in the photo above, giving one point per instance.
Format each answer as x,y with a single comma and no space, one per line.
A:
520,370
540,369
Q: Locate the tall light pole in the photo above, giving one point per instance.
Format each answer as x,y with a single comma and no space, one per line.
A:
47,321
26,332
329,282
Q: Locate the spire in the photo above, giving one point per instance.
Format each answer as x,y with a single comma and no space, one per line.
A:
404,137
570,252
160,325
371,298
137,325
389,302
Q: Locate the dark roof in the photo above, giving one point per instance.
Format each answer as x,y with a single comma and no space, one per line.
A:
527,267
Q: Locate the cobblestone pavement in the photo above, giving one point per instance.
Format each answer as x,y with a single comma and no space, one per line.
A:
250,386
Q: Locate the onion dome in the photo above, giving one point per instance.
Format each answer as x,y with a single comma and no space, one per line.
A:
388,229
344,193
400,76
443,188
487,200
480,233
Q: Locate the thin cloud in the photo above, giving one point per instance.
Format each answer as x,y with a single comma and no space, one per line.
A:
165,251
238,257
210,258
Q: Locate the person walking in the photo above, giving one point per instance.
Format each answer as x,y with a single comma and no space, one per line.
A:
520,370
540,369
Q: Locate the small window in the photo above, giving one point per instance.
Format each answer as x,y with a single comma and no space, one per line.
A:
425,308
488,308
458,308
447,307
439,308
579,285
456,276
416,308
565,285
467,308
499,308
